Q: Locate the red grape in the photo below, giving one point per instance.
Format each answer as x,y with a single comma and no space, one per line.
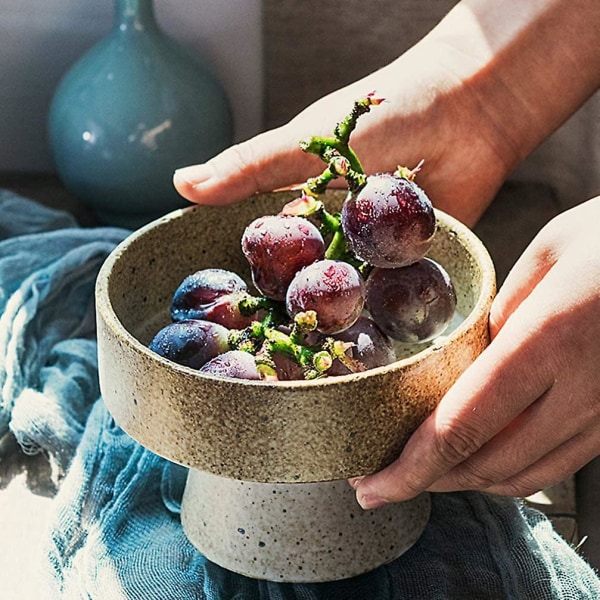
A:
277,247
287,368
411,304
190,343
236,364
334,289
370,347
390,222
211,295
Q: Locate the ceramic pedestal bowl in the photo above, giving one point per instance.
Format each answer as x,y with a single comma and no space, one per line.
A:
266,493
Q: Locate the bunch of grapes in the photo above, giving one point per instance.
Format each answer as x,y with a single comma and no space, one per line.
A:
334,291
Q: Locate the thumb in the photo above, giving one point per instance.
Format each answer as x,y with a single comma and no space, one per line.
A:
263,163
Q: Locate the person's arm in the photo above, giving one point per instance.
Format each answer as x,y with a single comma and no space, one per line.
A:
472,99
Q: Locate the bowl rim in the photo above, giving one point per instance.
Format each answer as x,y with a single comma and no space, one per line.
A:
105,309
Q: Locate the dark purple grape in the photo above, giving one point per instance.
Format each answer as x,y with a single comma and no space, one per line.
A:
211,295
287,368
390,223
411,304
235,364
277,247
190,343
334,289
371,347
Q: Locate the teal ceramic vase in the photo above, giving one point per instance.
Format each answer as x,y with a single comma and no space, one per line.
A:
130,111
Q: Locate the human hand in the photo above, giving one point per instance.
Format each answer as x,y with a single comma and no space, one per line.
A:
472,99
430,113
526,413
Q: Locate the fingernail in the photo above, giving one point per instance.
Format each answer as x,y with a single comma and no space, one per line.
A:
368,501
354,481
194,175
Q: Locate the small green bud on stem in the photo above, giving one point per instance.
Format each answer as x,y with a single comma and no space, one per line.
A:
407,173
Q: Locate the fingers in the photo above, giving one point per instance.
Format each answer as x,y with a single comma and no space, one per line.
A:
488,396
266,162
554,467
491,399
262,164
531,437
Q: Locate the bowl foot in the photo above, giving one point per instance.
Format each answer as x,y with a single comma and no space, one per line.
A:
300,533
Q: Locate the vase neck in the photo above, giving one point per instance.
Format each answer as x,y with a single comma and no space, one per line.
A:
136,14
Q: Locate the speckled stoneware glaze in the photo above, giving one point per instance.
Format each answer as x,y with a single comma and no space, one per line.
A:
267,494
296,532
298,431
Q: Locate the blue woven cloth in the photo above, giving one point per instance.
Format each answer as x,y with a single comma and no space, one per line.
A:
115,532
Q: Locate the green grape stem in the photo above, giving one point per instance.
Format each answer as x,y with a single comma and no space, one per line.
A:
304,322
248,304
407,173
266,369
337,166
337,248
247,339
324,146
322,361
333,151
308,206
347,125
329,222
263,340
309,359
341,161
